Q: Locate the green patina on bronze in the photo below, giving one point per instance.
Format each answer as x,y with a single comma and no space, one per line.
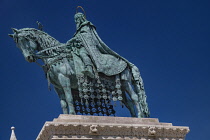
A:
87,75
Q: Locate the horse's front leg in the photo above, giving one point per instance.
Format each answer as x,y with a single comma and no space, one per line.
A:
66,85
61,95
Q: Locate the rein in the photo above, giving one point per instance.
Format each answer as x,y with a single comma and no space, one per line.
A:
59,48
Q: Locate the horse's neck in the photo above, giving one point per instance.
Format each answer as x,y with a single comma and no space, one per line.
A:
46,41
55,53
47,44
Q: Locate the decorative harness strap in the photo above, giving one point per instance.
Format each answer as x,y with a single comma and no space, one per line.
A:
48,65
62,53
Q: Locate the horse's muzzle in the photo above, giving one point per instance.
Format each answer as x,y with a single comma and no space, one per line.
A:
30,58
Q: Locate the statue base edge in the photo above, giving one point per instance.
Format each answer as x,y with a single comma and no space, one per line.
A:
69,127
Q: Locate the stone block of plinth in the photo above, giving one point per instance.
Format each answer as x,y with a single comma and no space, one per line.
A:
75,127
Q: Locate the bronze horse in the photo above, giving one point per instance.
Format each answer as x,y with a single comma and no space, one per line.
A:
59,66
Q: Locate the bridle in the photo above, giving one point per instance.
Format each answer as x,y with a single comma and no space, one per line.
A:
40,54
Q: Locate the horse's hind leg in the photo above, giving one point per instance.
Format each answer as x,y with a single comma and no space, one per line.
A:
133,96
142,98
65,83
129,104
63,103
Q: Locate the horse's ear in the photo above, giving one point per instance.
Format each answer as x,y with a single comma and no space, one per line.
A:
14,30
11,35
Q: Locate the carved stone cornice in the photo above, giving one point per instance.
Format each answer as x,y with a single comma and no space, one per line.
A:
68,127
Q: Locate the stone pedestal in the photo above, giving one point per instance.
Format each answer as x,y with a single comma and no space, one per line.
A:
68,127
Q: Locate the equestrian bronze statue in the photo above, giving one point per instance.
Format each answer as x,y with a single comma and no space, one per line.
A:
87,75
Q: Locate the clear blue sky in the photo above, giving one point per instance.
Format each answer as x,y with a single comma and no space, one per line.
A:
169,40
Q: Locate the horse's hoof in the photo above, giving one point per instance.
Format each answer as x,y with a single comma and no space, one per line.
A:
72,113
140,115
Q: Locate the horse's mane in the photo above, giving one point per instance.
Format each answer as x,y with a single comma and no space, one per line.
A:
43,38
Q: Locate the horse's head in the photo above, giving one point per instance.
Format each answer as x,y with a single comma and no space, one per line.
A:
26,41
